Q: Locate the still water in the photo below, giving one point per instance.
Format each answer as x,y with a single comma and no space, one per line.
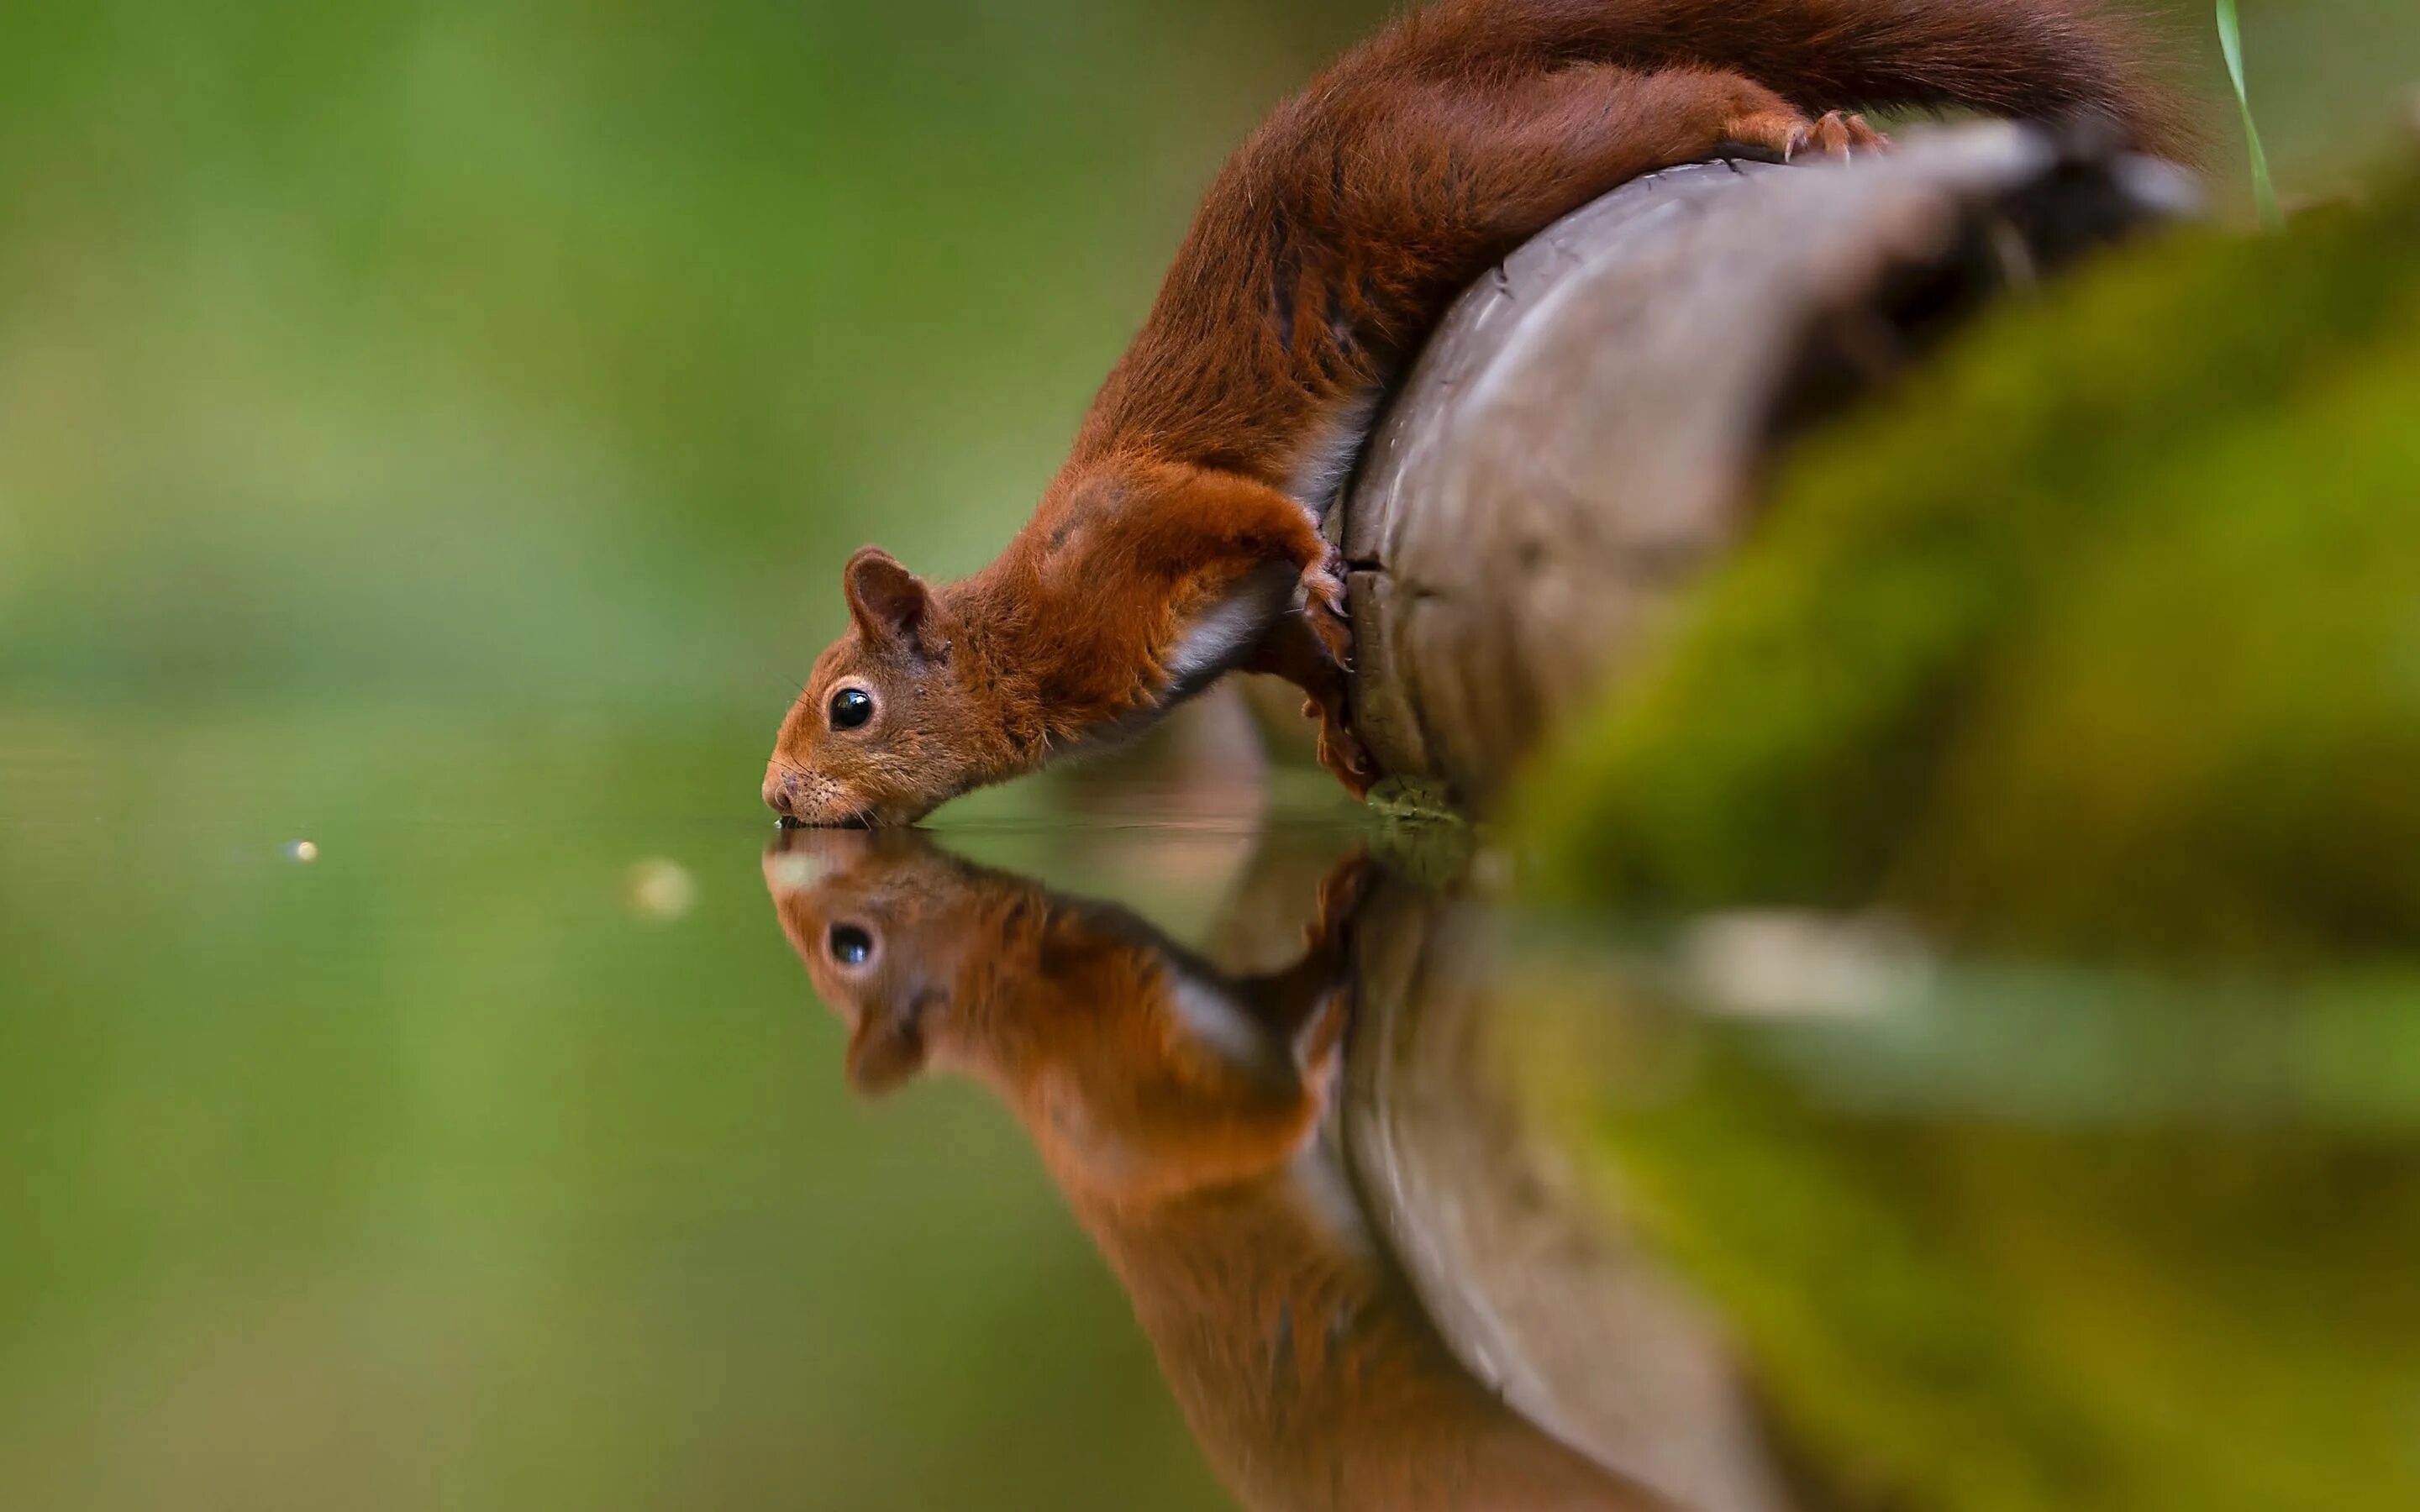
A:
402,1111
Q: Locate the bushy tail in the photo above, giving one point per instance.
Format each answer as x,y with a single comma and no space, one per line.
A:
2051,60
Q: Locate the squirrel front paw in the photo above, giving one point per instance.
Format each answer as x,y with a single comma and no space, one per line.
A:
1341,752
1312,649
1323,608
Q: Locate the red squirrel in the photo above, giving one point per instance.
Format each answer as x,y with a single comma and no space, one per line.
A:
1184,1112
1183,538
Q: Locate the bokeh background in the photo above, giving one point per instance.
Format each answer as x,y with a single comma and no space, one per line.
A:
524,352
432,430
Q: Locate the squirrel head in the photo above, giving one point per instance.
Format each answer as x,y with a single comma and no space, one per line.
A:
892,722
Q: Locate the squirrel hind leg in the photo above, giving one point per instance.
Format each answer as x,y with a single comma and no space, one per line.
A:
1540,146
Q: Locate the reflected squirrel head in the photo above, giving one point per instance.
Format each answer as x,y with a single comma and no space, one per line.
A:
1139,1069
887,926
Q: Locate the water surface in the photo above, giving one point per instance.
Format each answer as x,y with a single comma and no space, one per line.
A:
499,1156
404,1110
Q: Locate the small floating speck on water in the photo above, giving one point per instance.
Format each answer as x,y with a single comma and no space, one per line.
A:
661,890
301,850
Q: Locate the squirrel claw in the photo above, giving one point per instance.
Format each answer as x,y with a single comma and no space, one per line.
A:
1343,755
1323,606
1839,134
1323,609
1842,135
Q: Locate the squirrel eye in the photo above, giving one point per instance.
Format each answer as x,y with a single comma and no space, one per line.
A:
850,708
850,944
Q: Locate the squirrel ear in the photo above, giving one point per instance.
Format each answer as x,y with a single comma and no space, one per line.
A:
886,1051
887,601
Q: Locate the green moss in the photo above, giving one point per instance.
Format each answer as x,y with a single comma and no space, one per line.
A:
2103,636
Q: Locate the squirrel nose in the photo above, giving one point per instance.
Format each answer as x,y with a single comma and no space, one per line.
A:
777,794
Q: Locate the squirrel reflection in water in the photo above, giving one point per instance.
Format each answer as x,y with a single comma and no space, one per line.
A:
1185,1113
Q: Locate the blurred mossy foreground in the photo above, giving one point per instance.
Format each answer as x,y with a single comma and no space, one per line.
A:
2095,653
2103,638
1953,1308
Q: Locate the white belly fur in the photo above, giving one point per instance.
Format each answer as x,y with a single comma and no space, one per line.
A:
1215,643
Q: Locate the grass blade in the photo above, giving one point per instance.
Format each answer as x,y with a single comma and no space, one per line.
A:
2231,41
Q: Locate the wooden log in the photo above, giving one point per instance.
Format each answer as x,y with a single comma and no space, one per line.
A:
1585,432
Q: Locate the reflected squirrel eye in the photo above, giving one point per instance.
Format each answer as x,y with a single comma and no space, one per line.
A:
851,945
850,708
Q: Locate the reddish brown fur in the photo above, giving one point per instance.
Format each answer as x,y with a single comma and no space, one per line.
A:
1325,252
1308,1373
1063,1007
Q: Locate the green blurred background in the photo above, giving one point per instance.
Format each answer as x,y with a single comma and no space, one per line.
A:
520,352
432,430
